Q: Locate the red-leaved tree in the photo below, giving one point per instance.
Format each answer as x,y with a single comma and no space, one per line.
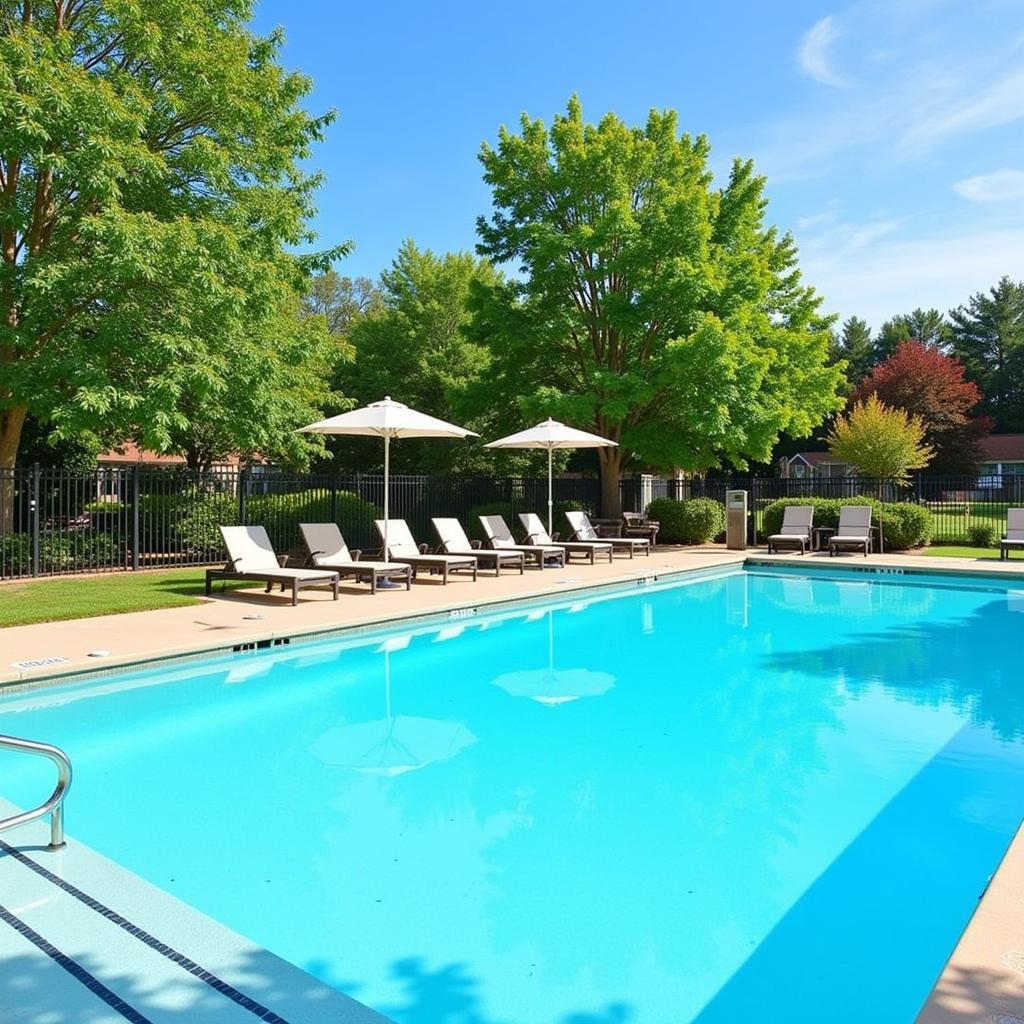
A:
926,383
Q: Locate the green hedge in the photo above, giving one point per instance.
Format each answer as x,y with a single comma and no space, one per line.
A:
59,552
696,521
190,521
903,525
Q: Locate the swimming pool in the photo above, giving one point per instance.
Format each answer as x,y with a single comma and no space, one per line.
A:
752,793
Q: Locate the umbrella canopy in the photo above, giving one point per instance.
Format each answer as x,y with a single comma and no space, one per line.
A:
552,435
389,420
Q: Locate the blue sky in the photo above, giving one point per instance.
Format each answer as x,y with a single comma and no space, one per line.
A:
890,132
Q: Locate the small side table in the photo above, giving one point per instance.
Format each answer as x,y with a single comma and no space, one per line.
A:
822,535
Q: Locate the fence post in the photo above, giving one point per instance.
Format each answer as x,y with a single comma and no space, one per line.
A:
34,513
752,516
243,486
334,498
136,489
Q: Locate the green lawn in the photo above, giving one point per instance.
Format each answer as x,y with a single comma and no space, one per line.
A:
960,551
81,597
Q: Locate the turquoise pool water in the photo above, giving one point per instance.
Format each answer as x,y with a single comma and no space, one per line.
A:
756,796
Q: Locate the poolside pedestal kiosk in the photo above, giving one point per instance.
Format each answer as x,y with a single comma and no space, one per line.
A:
736,520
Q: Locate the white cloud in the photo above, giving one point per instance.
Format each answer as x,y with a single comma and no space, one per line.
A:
998,103
997,187
888,277
813,56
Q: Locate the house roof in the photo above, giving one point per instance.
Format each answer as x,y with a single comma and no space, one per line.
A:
818,458
130,453
1003,448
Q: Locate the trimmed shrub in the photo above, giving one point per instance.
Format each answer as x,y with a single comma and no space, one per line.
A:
981,535
903,525
696,521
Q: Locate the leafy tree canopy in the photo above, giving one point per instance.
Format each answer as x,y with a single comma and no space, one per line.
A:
925,383
652,307
880,442
410,343
149,180
988,337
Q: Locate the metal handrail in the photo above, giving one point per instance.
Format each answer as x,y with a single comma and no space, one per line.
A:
54,806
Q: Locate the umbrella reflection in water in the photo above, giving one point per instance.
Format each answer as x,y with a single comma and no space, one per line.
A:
553,686
394,744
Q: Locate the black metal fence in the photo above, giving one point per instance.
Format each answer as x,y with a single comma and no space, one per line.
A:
55,521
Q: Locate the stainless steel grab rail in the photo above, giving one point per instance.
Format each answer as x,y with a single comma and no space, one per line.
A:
54,806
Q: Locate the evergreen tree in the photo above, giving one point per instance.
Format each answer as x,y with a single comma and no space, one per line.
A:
928,326
856,346
988,337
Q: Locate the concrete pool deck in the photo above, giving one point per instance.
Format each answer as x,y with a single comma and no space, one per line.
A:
982,983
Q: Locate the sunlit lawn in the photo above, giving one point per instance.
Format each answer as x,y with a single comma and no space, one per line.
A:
958,551
82,597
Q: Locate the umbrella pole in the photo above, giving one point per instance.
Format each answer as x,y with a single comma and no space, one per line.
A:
551,453
387,487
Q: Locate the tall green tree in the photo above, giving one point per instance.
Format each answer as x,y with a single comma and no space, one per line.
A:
340,300
928,326
856,348
652,307
411,344
988,338
150,181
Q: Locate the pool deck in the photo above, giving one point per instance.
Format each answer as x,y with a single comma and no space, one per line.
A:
982,983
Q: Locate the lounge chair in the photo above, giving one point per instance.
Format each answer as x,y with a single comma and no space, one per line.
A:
797,522
536,534
499,536
401,547
251,557
326,549
854,529
636,524
1014,532
583,530
455,542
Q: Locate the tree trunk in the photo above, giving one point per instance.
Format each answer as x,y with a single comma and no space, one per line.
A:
12,421
611,473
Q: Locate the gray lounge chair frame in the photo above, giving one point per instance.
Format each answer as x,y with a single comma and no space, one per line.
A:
326,549
583,531
797,523
403,548
1014,538
536,534
854,529
499,536
455,542
636,524
251,557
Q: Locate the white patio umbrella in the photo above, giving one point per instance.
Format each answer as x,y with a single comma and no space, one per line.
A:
389,420
552,435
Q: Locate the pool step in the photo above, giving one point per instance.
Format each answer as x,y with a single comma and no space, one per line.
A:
81,938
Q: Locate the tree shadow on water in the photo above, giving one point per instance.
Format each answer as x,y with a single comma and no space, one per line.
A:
450,995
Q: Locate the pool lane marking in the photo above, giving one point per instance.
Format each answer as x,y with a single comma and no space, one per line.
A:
75,969
217,984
